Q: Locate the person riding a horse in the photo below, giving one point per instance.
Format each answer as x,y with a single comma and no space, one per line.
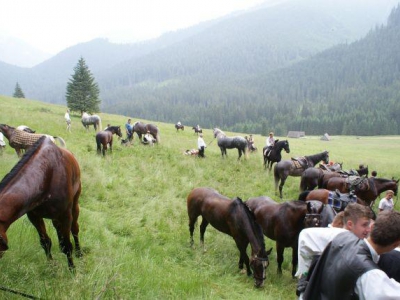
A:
270,143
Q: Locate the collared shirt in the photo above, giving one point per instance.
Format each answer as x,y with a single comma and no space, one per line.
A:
312,241
386,204
375,284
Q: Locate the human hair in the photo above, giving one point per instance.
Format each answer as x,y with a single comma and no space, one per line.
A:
355,211
389,192
386,229
338,220
374,173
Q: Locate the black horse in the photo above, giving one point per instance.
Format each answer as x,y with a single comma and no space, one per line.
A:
197,129
225,142
105,137
275,153
296,167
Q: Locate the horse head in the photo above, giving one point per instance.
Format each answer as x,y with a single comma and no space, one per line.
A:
259,264
325,157
313,216
286,146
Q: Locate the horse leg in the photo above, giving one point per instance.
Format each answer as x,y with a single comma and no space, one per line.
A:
98,147
244,258
203,227
192,221
240,153
63,229
75,225
104,149
45,240
295,259
279,256
111,146
281,187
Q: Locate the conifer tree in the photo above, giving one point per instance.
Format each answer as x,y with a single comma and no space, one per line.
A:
82,90
18,93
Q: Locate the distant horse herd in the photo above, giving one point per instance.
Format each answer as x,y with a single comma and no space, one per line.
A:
57,171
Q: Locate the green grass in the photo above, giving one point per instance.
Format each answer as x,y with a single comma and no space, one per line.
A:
133,221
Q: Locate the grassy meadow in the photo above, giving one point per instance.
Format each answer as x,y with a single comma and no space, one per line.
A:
133,221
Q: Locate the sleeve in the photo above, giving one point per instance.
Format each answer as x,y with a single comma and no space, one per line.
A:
375,284
380,204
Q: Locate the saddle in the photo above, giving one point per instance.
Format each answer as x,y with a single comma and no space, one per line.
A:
339,201
354,181
300,162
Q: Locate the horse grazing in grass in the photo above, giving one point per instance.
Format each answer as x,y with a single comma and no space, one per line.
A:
225,142
105,137
282,222
275,153
141,129
296,167
88,120
45,183
234,218
22,140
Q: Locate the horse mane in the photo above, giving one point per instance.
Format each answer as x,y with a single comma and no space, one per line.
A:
111,127
252,220
27,156
316,156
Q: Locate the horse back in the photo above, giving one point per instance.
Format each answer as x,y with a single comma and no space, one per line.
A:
212,206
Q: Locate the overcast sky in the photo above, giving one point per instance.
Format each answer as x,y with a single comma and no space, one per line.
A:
53,25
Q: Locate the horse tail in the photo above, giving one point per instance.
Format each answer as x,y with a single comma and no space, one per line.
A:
158,137
303,195
61,140
98,143
246,150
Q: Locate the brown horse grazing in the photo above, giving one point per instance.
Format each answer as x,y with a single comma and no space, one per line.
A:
141,128
234,218
22,140
282,222
370,189
296,167
45,183
179,126
105,137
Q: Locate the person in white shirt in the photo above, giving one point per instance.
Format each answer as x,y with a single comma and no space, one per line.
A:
67,120
348,267
2,143
270,142
312,241
387,202
201,145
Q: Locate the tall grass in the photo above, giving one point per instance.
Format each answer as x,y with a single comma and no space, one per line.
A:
133,221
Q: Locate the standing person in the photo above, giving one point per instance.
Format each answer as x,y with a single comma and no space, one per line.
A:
201,145
387,202
68,120
129,130
347,269
269,143
2,143
312,241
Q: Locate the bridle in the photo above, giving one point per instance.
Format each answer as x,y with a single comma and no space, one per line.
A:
265,264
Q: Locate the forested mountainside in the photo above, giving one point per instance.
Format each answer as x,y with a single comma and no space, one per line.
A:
349,89
243,72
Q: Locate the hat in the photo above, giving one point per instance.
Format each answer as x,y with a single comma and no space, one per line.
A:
201,135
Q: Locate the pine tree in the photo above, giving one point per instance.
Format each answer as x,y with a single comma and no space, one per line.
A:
18,93
82,91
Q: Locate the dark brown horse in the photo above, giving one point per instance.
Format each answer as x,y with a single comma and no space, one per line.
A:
45,183
370,189
275,153
282,222
105,137
179,127
296,167
22,140
141,129
234,218
318,177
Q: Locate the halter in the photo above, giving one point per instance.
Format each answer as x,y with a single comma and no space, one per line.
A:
313,216
265,263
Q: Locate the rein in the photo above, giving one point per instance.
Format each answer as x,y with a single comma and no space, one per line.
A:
17,293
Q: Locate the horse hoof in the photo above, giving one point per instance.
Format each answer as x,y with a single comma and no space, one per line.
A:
243,271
